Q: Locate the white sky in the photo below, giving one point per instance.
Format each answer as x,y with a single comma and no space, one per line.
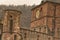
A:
19,2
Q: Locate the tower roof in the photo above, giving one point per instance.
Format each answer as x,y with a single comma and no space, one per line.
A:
56,1
13,10
2,12
45,3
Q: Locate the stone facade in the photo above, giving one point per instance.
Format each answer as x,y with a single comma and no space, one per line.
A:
45,22
11,25
27,34
49,18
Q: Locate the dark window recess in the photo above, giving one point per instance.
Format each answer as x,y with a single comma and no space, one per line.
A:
34,29
15,37
37,37
48,38
25,35
41,9
0,37
53,28
58,31
41,12
1,28
40,29
11,24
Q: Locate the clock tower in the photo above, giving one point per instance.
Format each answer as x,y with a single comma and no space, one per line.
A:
46,18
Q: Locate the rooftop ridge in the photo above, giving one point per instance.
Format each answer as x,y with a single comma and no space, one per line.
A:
44,3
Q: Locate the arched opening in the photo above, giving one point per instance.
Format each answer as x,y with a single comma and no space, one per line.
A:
11,24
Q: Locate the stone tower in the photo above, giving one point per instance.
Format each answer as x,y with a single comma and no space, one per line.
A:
11,25
46,18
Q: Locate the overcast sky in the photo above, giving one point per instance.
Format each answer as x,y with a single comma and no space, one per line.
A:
19,2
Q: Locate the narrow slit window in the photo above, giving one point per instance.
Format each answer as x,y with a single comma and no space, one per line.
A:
1,30
11,24
1,37
15,37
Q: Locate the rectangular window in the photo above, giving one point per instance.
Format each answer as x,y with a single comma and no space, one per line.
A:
11,25
15,37
24,35
1,37
58,30
48,38
1,30
37,37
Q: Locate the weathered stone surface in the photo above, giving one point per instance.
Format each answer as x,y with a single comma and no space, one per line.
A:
15,26
50,17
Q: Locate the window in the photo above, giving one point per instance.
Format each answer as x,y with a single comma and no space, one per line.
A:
1,30
34,29
0,37
41,12
49,38
15,37
45,29
11,24
40,29
24,35
37,37
58,31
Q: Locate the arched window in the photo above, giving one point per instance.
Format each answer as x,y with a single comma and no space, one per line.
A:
11,24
